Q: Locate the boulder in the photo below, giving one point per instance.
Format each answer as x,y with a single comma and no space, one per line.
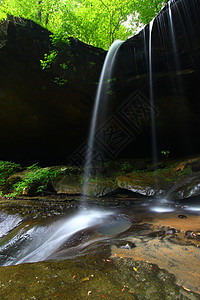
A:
143,184
188,188
73,184
175,181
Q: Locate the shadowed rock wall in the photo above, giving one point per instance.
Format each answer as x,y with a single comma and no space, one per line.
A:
42,121
39,119
175,77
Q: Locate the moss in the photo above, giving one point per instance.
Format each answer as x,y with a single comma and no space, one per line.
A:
91,277
157,182
7,168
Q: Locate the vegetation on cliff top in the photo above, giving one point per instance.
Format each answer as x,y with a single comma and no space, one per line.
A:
95,22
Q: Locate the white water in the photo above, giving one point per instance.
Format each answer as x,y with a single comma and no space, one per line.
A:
61,234
153,126
8,222
173,38
100,101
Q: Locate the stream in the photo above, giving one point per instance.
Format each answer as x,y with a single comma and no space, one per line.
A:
139,230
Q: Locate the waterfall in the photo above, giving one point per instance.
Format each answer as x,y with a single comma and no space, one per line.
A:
153,126
99,110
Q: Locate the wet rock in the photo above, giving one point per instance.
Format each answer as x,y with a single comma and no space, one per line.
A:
174,180
72,184
142,183
182,216
68,184
171,231
192,234
158,233
126,245
93,275
189,187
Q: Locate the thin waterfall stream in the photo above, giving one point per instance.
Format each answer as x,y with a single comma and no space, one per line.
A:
99,111
153,125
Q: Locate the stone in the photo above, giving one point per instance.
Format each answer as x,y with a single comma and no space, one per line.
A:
142,184
72,184
182,216
187,188
67,184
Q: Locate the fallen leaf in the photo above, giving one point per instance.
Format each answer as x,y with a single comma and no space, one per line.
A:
85,279
186,289
89,293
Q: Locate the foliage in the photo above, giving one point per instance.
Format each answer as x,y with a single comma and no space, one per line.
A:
36,177
60,81
7,168
48,60
149,9
33,167
95,22
165,153
126,166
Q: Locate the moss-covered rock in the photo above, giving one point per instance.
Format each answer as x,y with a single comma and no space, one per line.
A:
73,184
175,180
95,276
142,183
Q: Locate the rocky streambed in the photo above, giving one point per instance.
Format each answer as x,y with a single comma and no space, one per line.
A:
134,248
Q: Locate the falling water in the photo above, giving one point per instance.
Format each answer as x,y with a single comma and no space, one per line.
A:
153,127
100,101
177,65
177,81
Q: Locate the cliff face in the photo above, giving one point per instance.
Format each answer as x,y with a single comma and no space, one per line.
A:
175,66
41,120
44,121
